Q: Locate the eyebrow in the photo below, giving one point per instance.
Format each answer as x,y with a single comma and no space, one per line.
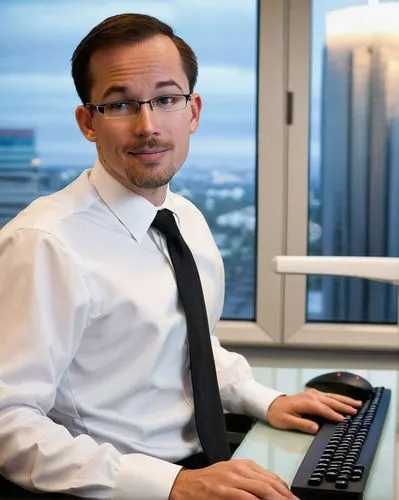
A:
115,89
168,83
124,91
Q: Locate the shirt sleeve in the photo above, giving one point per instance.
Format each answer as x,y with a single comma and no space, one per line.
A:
239,391
44,308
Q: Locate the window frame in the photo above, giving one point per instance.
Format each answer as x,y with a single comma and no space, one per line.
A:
271,185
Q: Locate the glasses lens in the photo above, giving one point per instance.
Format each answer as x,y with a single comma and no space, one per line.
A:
169,102
120,109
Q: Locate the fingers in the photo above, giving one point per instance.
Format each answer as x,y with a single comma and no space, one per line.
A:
272,490
329,406
252,470
336,406
303,424
345,399
262,483
295,412
232,480
242,495
257,468
337,397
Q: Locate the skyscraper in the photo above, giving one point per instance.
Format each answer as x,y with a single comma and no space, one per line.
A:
359,153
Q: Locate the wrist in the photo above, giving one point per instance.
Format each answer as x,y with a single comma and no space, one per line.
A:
175,491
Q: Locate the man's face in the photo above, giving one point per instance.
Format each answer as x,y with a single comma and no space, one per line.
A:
144,151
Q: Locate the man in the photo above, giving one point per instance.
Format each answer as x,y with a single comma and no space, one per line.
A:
96,393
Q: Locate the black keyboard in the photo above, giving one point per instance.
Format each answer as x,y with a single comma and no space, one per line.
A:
338,462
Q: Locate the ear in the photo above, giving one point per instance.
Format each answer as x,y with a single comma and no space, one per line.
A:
84,117
196,105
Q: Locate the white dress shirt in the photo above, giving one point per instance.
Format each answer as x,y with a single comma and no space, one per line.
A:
95,393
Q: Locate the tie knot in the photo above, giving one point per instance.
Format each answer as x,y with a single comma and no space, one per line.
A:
165,223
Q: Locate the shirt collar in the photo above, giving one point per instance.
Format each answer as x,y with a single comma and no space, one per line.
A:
135,212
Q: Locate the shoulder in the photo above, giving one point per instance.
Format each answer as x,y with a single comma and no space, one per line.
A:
48,214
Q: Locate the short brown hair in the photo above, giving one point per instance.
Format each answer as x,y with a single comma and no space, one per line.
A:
124,29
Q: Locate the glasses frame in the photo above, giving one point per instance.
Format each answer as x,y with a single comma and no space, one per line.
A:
100,108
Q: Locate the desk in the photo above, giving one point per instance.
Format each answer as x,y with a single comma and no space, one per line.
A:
283,451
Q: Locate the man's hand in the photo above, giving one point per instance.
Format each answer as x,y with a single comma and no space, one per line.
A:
289,412
232,480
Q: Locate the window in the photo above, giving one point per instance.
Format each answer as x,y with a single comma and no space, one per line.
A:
342,147
41,148
285,205
353,154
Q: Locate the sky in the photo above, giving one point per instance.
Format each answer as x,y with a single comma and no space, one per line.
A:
38,37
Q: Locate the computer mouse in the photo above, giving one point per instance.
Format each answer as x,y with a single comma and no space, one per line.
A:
340,382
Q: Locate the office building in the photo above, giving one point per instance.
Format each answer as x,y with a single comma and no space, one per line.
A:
360,142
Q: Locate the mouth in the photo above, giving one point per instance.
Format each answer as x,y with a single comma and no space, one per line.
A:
148,155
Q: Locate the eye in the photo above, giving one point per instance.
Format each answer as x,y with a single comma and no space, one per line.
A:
166,100
120,108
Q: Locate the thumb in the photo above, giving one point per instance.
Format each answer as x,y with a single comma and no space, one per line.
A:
304,424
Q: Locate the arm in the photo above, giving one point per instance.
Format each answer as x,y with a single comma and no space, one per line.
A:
239,391
45,306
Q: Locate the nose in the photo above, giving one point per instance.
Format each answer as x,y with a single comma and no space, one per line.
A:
145,123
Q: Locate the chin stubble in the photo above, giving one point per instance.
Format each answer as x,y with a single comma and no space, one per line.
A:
150,181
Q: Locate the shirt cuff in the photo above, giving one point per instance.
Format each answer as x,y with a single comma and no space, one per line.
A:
256,398
144,477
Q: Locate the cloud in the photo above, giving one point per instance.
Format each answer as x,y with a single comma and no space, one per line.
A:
234,6
48,14
227,80
44,33
36,83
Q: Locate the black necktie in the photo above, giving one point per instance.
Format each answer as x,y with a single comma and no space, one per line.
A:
209,416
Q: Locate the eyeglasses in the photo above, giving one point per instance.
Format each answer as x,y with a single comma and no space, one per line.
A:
123,109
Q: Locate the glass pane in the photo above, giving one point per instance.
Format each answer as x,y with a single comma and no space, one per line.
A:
354,153
41,148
